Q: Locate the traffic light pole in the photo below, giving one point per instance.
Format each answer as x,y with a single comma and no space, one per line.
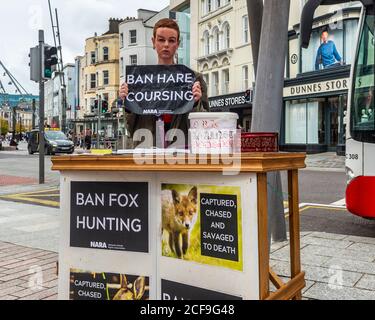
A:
99,122
41,109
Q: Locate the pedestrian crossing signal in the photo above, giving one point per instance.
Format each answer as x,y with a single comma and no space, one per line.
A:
104,106
49,61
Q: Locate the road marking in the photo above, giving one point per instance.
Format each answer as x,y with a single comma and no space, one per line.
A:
306,206
341,202
36,197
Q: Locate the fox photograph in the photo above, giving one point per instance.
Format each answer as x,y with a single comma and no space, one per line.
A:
182,228
179,212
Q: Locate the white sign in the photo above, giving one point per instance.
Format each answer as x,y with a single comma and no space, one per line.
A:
316,88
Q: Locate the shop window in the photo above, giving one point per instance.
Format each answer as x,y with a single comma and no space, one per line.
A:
245,78
245,28
305,122
93,81
351,27
226,29
133,36
93,57
133,60
105,77
121,40
216,39
225,81
215,84
206,41
105,54
295,122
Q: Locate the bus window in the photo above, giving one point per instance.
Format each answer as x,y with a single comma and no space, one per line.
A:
362,110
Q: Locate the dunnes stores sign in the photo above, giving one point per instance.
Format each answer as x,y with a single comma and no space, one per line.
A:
316,88
240,99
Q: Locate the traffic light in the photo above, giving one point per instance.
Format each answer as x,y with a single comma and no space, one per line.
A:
104,106
248,96
49,61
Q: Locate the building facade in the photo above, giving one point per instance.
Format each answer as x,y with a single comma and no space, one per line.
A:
98,77
56,114
315,101
221,51
135,39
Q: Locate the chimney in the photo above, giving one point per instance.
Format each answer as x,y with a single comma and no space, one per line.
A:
114,25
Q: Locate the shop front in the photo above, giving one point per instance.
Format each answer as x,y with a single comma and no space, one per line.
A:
240,103
314,112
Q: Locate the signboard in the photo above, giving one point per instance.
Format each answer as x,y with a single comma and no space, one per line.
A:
229,101
86,285
177,291
159,89
110,216
202,224
316,88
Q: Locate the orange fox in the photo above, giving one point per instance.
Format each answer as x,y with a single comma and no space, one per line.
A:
179,216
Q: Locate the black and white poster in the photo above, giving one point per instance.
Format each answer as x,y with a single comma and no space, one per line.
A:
159,89
177,291
110,216
219,227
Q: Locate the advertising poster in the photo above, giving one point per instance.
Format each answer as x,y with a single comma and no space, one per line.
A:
107,286
110,216
159,89
177,291
203,224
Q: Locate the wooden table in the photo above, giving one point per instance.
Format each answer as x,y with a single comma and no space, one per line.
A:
259,163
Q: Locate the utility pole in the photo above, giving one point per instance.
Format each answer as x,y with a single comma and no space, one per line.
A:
33,116
41,109
268,100
99,122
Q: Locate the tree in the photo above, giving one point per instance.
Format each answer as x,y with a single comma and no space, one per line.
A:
267,107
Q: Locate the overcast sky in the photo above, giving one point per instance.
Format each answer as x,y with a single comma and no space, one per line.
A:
20,21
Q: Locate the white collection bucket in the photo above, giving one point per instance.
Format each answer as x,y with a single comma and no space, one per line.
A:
212,132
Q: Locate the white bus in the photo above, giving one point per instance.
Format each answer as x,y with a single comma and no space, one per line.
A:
360,120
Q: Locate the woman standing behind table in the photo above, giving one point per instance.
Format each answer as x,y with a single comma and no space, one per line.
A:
166,40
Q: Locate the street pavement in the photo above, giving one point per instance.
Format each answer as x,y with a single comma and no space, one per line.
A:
337,249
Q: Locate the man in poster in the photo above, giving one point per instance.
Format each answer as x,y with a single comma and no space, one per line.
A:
166,40
327,53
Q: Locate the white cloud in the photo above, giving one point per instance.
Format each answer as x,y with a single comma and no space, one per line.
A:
20,21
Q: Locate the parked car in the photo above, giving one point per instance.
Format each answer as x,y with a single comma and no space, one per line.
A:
55,142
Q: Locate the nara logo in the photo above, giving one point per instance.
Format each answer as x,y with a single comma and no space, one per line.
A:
96,244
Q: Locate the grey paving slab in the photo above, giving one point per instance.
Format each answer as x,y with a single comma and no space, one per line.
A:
356,239
366,282
306,259
321,291
340,244
366,256
318,274
29,225
363,247
332,236
351,265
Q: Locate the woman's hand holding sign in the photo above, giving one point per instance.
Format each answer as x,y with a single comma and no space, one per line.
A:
197,91
124,90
